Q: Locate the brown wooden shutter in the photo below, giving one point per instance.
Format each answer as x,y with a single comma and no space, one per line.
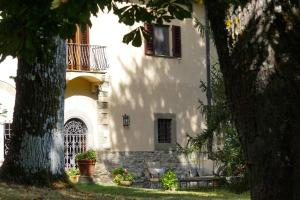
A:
176,41
84,35
149,49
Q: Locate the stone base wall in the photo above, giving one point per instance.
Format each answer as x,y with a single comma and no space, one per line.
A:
139,162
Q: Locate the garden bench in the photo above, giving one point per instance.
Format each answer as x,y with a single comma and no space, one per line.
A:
198,180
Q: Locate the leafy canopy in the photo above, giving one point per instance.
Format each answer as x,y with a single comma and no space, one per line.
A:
27,28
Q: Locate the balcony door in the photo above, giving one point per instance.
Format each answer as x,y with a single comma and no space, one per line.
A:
78,50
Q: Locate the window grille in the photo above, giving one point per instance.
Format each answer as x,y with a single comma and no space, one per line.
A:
7,137
75,140
164,130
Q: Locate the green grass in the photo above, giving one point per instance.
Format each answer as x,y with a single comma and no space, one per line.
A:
109,192
140,193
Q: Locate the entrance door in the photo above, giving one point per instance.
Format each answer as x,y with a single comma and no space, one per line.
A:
75,140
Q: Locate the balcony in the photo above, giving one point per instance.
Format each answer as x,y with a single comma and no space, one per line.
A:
86,58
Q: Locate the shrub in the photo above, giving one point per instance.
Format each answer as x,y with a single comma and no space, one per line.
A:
169,180
119,170
128,177
118,178
88,155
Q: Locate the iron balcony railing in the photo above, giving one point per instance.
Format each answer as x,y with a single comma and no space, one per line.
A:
84,57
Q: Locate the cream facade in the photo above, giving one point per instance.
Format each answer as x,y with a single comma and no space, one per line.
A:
143,87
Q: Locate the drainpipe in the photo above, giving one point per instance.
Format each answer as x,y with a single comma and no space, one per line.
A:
208,79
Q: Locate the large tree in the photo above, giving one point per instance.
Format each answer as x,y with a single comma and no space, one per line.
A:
258,47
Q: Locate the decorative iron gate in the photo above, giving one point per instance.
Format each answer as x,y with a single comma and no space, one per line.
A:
7,137
75,140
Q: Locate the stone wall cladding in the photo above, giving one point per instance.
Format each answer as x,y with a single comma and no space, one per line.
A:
138,162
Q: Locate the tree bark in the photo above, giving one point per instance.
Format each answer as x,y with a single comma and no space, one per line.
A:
258,47
36,151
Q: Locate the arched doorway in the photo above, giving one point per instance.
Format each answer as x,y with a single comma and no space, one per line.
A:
75,140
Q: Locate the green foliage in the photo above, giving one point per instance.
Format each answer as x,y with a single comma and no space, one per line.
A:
119,170
169,180
202,28
230,158
118,178
27,29
88,155
73,172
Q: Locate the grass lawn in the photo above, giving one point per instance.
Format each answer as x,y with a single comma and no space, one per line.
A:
107,192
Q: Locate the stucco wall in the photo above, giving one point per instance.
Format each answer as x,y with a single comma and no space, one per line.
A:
139,86
81,103
143,85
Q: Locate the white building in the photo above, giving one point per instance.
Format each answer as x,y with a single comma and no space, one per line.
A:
156,86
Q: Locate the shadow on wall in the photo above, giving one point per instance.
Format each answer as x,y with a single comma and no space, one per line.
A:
145,85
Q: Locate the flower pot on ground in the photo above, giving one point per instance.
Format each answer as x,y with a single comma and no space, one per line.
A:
126,183
216,183
73,175
74,179
124,179
86,162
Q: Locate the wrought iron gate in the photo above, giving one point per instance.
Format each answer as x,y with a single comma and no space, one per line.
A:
7,137
75,140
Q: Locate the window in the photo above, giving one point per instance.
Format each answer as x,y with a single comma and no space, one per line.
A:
78,49
165,131
159,44
81,36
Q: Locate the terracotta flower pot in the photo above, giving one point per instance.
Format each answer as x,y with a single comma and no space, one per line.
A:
86,167
216,183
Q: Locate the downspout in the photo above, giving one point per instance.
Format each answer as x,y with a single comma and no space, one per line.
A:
208,80
208,64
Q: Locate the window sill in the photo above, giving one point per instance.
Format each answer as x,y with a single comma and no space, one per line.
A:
164,146
165,56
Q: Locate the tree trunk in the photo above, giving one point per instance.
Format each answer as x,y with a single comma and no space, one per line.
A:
258,46
36,151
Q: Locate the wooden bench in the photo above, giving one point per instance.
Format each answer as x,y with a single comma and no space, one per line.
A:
198,180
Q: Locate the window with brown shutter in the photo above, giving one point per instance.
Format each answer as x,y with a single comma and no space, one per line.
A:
161,39
149,50
84,35
159,44
176,41
79,49
81,36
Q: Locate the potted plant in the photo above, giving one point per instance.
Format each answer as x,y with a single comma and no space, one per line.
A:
169,180
124,179
127,179
86,162
73,175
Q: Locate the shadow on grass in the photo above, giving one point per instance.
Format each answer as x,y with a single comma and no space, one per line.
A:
105,192
130,192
